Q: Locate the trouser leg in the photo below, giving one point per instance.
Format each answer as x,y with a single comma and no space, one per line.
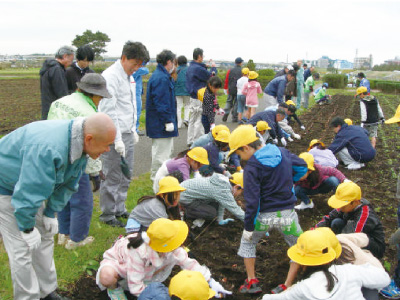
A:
186,105
234,108
206,124
161,150
195,128
345,157
200,210
337,225
64,220
306,98
179,104
228,104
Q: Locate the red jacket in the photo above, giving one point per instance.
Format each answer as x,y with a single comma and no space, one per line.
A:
227,81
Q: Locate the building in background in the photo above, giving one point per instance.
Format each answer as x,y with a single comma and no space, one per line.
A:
395,61
363,62
341,64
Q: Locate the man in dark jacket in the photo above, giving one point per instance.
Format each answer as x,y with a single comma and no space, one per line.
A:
274,92
307,72
75,72
284,71
197,76
352,144
231,102
53,83
272,117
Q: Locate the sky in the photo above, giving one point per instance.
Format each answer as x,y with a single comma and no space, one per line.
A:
262,30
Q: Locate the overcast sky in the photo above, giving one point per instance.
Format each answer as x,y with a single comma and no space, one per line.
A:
265,31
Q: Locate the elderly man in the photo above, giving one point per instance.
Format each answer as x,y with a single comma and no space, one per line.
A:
53,82
121,107
41,164
274,92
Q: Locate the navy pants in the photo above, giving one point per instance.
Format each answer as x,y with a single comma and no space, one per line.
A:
206,124
330,184
75,218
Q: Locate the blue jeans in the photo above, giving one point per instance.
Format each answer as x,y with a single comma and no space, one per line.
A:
241,103
75,218
206,124
330,184
155,291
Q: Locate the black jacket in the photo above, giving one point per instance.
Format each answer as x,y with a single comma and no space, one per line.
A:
74,74
234,75
53,84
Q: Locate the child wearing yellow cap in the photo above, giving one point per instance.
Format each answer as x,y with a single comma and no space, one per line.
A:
251,89
320,278
241,99
138,259
322,155
352,213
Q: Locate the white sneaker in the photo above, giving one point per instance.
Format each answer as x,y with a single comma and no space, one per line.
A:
355,166
302,206
198,223
70,245
62,239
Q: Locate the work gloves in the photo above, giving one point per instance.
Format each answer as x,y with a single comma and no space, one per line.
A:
212,126
218,289
362,125
290,139
135,137
169,127
346,180
303,127
224,222
283,141
50,224
227,174
247,235
33,238
297,136
221,112
120,148
275,141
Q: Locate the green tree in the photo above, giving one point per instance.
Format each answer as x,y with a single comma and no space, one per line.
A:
251,65
97,41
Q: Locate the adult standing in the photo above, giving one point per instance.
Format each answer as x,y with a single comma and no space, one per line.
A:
284,71
41,164
299,84
231,102
274,92
53,83
307,72
161,119
75,72
364,81
181,93
196,78
74,219
121,107
138,77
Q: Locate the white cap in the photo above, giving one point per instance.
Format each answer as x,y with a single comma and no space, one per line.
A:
290,67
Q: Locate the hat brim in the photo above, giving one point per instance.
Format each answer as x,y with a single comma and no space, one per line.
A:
176,241
95,91
211,293
392,120
311,260
203,161
171,189
336,203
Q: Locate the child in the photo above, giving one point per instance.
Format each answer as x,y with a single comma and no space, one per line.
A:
309,87
162,205
321,97
251,91
262,128
220,144
210,104
315,252
273,118
241,99
317,180
371,113
190,285
268,178
144,257
185,162
348,121
354,214
209,137
322,155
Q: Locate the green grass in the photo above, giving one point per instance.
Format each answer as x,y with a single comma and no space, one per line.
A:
71,265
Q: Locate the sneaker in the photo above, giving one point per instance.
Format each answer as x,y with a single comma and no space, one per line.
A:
250,287
114,223
302,206
73,245
279,289
62,239
391,291
355,166
116,294
225,117
186,123
54,296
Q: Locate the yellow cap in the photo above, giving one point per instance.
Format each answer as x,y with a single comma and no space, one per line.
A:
169,184
241,136
253,75
309,159
290,102
395,118
348,121
167,235
361,90
237,179
314,142
218,128
200,93
199,154
190,285
245,71
223,136
327,232
346,193
313,248
262,125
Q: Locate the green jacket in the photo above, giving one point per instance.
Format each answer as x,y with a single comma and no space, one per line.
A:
321,94
309,82
70,107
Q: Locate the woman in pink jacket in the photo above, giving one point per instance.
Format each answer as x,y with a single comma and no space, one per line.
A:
251,90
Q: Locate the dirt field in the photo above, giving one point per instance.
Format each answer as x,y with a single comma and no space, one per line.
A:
217,246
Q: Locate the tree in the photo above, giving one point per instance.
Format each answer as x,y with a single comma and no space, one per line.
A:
97,41
251,65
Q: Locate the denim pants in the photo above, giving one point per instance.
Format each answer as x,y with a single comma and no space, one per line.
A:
326,186
241,103
206,124
75,218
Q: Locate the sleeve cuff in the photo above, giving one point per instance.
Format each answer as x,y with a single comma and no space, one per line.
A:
48,212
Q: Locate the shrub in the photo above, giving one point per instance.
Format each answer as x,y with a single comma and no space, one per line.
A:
266,72
338,81
388,86
264,80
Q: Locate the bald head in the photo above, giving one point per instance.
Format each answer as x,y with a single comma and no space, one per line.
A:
99,133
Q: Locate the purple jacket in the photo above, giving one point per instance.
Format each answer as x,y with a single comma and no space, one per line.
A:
324,174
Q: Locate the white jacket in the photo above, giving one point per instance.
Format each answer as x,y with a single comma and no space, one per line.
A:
350,280
122,106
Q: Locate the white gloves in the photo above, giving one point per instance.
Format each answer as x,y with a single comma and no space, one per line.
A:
302,127
247,235
221,112
51,225
290,139
226,92
120,147
297,136
218,289
362,125
275,141
212,126
169,127
227,174
196,174
224,222
283,141
33,238
346,180
135,137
